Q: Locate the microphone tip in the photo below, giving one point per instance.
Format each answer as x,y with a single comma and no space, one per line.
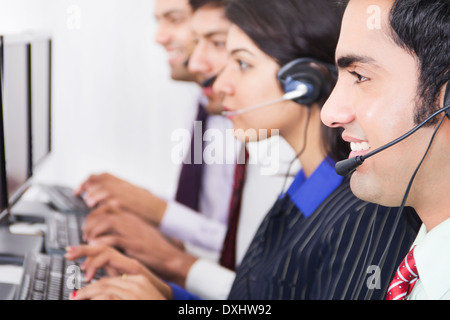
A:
227,114
347,167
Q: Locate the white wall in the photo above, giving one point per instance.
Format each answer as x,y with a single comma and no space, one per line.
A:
114,105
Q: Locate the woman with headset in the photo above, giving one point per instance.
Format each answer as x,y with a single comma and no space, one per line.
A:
318,241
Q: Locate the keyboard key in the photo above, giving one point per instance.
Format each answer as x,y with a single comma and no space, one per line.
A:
39,285
47,277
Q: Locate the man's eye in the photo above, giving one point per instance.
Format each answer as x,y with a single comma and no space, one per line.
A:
176,20
219,44
359,77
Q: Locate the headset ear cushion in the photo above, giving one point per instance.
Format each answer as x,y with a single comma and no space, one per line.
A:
301,72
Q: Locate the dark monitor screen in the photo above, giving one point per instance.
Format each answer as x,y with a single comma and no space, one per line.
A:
40,99
16,120
3,192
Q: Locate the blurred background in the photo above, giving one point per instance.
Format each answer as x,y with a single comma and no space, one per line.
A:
114,104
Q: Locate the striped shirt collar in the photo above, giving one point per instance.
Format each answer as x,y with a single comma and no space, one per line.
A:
308,194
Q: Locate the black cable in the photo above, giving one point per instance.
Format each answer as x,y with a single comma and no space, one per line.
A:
300,153
348,166
405,197
287,174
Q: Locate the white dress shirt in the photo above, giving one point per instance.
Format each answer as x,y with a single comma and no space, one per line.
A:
203,232
432,256
268,163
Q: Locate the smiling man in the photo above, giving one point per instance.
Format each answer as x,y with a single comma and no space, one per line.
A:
175,35
210,28
393,78
196,216
193,33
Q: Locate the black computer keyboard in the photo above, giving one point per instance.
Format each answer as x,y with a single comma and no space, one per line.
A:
49,277
63,230
64,200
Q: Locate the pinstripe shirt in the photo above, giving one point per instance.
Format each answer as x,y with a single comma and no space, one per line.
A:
334,248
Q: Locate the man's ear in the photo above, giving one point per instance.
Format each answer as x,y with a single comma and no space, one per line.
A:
447,100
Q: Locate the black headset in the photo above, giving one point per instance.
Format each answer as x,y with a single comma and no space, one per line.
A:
301,72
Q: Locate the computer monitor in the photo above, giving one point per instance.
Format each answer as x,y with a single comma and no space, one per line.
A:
16,115
15,144
40,99
27,89
3,193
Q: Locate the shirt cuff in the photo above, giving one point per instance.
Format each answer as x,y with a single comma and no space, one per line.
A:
203,253
209,280
189,226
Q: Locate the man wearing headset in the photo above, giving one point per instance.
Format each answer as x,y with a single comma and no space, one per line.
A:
196,217
188,268
394,73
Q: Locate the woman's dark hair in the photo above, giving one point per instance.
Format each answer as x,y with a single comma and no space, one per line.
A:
290,29
422,27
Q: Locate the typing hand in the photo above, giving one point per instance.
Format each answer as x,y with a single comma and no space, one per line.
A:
123,288
98,257
106,189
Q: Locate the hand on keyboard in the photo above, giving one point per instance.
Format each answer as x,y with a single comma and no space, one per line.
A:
64,199
106,189
113,262
120,288
49,277
99,256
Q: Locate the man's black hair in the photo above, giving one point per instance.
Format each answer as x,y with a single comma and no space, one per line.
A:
422,27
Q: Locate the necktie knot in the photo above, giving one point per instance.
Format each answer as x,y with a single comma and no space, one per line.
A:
405,279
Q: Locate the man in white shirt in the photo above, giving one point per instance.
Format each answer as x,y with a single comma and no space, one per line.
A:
201,228
394,73
207,279
202,274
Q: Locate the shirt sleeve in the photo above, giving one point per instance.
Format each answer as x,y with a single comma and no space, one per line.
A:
209,280
189,226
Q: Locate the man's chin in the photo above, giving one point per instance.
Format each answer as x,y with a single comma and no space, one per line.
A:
369,191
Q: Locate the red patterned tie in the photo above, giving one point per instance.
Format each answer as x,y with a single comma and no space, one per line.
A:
404,280
228,256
